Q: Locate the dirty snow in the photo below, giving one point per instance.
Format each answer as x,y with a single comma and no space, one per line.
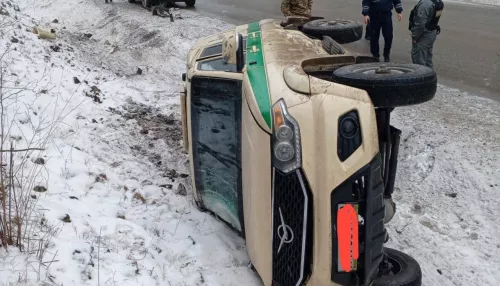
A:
476,2
114,213
448,186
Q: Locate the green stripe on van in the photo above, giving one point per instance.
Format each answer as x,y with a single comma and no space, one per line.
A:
257,72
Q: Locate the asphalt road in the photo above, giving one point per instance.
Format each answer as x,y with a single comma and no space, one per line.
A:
466,53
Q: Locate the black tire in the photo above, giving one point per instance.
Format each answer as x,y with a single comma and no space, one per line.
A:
406,270
342,31
131,1
332,47
390,84
190,3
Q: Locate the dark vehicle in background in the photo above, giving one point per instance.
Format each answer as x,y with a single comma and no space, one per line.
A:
149,3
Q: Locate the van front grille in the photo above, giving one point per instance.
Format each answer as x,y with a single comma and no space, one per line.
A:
292,228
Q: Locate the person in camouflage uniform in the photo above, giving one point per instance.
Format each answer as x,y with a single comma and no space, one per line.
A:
296,8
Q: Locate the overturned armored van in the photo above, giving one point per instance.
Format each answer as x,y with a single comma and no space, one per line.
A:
290,144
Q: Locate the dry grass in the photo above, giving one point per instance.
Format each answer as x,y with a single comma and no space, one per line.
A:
138,196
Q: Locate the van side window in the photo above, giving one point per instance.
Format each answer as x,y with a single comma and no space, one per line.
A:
212,51
217,64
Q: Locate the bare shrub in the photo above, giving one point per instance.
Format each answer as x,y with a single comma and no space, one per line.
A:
17,204
23,175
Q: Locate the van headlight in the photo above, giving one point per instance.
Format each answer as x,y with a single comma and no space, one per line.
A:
286,139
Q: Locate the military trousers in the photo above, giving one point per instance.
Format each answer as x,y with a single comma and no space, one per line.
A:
296,8
421,50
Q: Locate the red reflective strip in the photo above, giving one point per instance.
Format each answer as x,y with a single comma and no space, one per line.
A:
343,233
347,236
355,235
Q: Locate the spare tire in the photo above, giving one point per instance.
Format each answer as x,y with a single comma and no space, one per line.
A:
332,47
404,270
342,31
390,84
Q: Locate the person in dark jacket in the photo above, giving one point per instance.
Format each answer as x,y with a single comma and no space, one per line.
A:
378,14
424,28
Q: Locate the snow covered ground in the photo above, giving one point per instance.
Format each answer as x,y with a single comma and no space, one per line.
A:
477,2
113,212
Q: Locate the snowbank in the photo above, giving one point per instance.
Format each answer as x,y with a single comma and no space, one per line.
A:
477,2
447,189
114,163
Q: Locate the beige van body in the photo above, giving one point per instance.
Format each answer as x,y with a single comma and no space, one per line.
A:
285,214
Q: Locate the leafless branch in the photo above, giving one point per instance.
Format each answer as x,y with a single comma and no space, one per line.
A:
404,227
22,150
98,259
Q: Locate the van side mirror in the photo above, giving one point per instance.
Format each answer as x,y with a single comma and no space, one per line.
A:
232,51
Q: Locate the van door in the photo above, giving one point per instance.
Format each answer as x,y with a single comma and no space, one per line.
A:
216,146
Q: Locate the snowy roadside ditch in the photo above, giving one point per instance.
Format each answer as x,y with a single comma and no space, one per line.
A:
110,204
109,197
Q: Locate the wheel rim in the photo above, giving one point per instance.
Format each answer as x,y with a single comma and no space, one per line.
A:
333,23
394,267
383,69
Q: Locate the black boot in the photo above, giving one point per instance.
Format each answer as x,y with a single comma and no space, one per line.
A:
386,55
